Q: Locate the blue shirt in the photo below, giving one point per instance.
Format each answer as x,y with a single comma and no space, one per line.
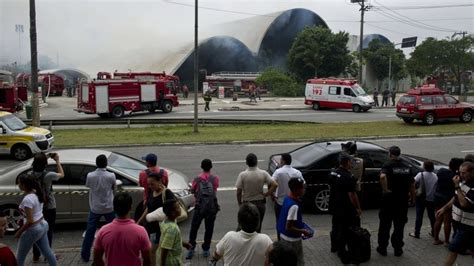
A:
288,202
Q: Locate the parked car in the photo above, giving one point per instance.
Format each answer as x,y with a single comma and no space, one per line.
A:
315,161
71,194
431,104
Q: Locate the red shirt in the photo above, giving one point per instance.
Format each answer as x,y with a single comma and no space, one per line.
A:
122,241
143,179
6,257
205,176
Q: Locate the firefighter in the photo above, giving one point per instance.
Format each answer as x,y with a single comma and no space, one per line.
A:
207,99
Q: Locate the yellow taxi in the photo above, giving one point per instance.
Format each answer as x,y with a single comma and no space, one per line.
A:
20,140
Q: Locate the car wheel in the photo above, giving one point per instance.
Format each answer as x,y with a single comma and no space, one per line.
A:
316,106
466,116
13,216
429,119
321,200
356,108
408,120
167,107
117,112
21,152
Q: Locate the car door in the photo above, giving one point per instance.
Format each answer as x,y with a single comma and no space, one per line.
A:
130,186
453,110
76,175
371,190
348,97
441,109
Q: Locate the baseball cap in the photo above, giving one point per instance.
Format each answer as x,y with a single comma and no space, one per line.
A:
151,158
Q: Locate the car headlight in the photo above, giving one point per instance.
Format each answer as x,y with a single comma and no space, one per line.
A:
39,137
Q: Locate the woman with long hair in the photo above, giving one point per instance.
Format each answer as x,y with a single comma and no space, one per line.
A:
34,228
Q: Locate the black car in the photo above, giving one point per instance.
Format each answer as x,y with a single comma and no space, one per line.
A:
315,161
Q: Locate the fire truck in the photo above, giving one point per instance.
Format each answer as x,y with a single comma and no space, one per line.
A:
172,80
50,84
238,82
112,96
9,99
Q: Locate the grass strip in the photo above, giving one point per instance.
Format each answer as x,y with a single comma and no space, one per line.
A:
229,133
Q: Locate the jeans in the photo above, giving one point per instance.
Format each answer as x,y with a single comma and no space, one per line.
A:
35,234
390,212
297,246
50,217
92,221
209,229
277,216
421,204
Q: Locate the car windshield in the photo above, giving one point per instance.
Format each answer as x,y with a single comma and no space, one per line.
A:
407,100
358,90
306,155
125,164
13,122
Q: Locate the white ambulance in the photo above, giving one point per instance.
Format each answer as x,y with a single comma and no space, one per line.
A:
335,93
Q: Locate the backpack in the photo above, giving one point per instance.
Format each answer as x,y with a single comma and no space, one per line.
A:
206,199
42,185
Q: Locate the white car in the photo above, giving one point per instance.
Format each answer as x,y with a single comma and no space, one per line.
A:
71,194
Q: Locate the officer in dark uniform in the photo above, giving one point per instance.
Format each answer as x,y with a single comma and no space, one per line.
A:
343,205
396,179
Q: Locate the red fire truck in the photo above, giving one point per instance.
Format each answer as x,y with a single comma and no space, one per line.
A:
238,82
172,80
108,96
50,84
9,100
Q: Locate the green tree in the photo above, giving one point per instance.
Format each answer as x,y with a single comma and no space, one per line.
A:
442,58
279,83
317,51
378,55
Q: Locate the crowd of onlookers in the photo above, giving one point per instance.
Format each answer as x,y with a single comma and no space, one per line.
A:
153,236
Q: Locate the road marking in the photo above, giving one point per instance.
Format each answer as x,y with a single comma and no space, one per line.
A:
236,161
423,138
276,144
467,151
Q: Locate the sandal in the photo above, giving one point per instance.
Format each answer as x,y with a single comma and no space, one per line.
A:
413,235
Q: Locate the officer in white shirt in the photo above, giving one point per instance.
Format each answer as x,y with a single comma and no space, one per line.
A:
281,176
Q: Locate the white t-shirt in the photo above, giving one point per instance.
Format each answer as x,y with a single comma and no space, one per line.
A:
31,201
242,248
292,216
282,175
430,179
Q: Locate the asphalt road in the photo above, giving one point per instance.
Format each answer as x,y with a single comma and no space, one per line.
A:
62,108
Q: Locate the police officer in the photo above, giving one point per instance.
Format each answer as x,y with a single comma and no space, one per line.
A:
343,205
396,179
357,169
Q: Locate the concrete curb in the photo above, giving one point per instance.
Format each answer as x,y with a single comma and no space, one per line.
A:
246,142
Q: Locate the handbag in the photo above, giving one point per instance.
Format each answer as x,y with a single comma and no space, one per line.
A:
421,190
184,213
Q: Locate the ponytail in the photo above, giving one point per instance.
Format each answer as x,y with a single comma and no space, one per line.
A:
30,182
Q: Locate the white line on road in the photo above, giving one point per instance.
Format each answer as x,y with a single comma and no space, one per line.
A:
226,189
276,144
467,151
426,138
236,161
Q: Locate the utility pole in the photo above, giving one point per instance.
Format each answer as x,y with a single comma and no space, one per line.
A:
196,66
362,10
34,66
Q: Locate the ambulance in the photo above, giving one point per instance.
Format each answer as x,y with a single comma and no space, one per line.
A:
336,93
22,141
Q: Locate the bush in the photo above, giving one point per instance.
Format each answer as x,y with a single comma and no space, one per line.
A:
279,83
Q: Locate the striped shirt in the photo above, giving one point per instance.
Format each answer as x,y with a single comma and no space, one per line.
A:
465,215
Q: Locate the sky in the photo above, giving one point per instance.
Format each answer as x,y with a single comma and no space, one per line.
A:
89,33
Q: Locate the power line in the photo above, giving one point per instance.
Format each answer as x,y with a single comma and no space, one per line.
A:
383,21
422,25
428,7
381,28
219,10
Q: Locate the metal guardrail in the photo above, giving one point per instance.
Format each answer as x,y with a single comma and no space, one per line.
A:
161,121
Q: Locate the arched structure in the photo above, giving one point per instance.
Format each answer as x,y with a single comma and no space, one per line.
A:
67,73
368,38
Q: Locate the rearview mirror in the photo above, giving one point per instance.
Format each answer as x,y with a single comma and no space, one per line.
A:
118,183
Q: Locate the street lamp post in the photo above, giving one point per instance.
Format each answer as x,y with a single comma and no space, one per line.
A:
406,42
196,66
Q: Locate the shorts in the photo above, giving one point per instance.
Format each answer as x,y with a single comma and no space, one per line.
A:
461,241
